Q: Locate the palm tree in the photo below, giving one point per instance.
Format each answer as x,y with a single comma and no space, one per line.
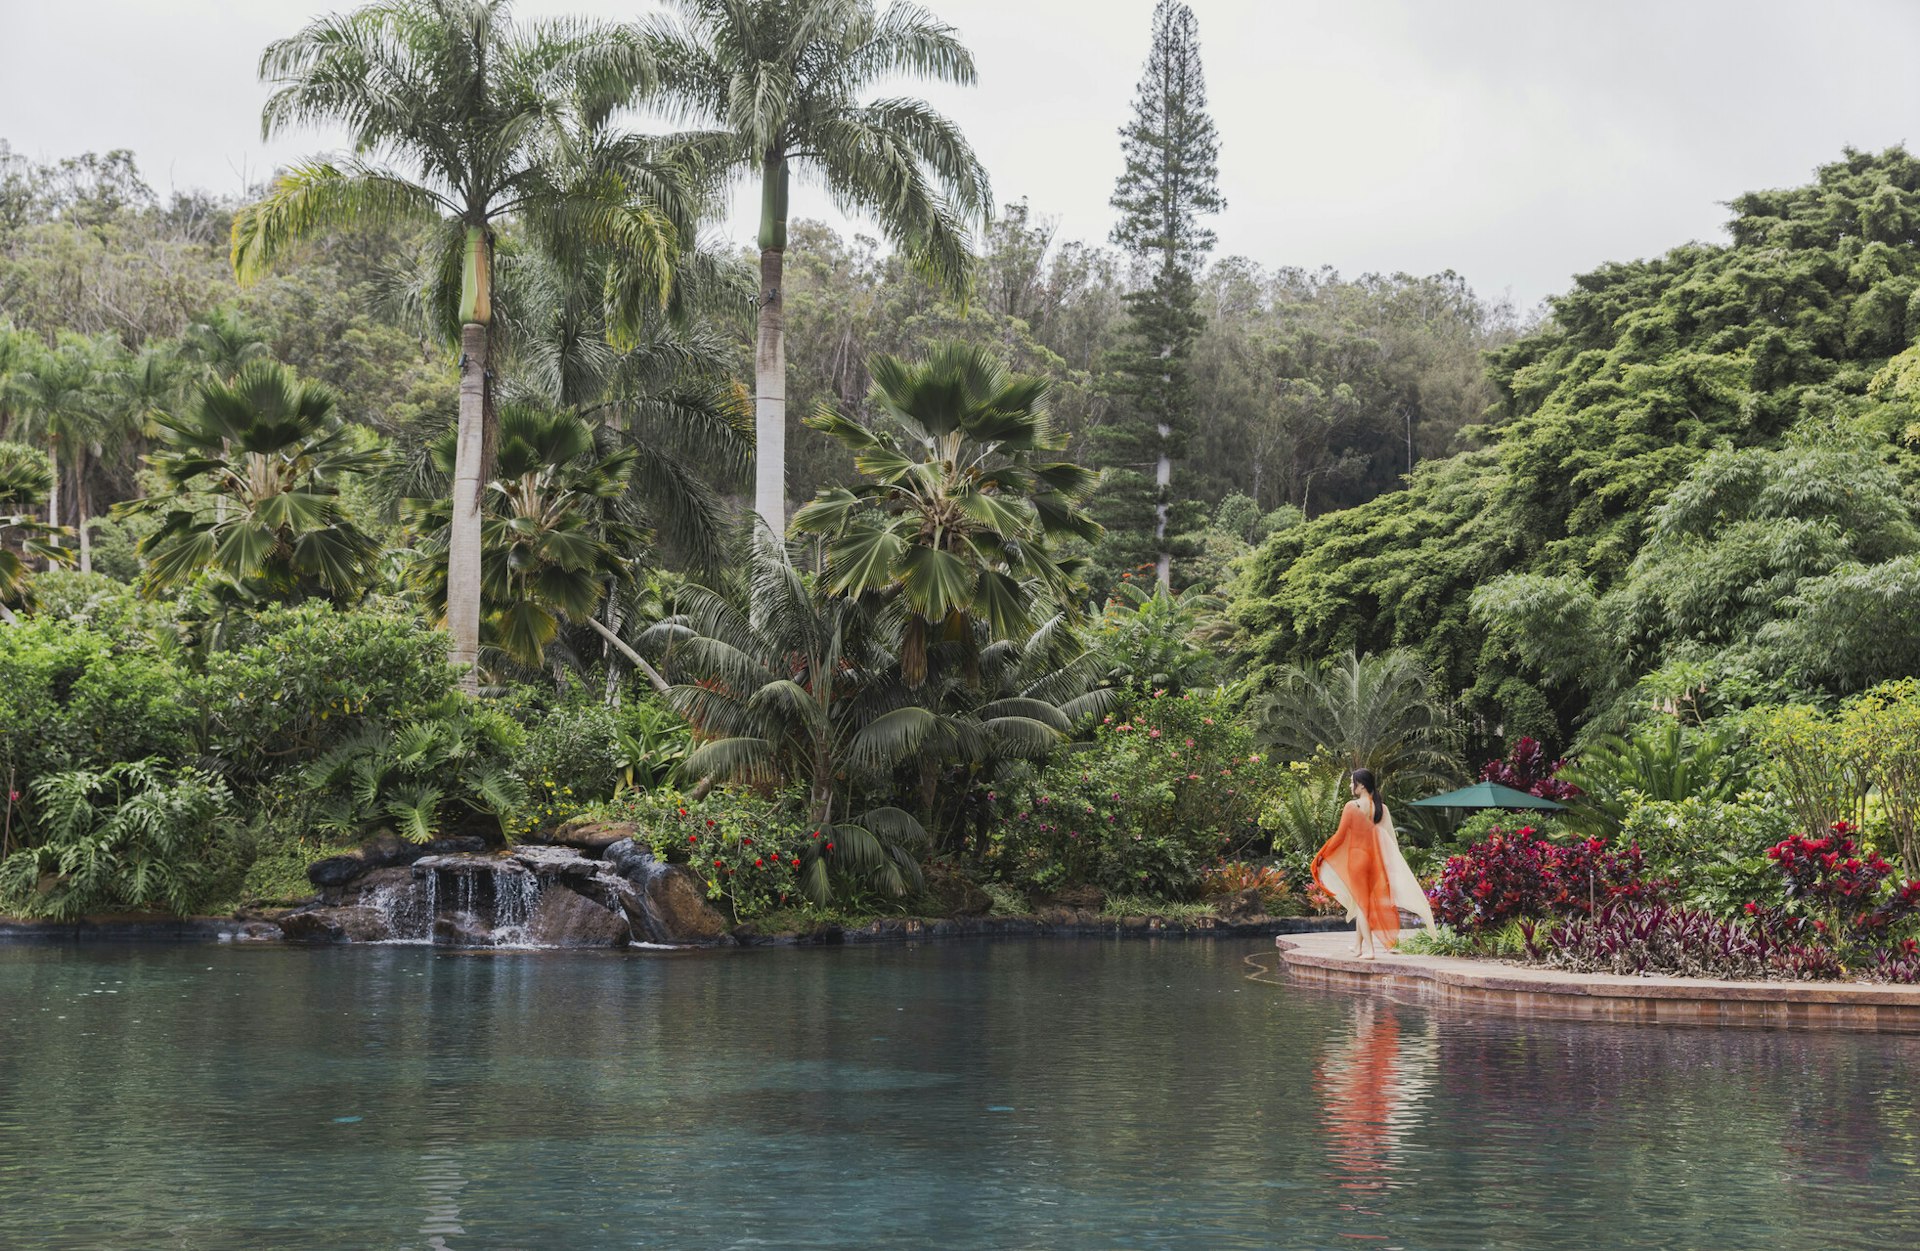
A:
461,119
223,340
60,398
26,478
551,543
957,516
267,447
781,83
1374,712
785,692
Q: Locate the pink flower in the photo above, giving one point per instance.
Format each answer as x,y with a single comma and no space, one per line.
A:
1153,734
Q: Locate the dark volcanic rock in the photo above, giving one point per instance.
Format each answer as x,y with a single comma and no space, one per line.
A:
1242,905
592,837
351,924
454,845
460,930
952,894
335,871
674,908
564,918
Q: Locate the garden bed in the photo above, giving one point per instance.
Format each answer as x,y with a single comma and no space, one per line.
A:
1527,990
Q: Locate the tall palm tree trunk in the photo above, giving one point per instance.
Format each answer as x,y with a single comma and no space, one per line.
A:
80,516
53,492
463,546
770,354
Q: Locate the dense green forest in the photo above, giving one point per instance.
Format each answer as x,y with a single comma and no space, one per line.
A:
1098,561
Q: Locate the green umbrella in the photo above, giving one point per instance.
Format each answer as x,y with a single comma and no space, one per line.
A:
1488,795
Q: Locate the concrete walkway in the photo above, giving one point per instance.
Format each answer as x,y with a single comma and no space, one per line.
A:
1326,960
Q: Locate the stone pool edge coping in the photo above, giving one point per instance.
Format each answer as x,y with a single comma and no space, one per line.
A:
1453,981
1063,924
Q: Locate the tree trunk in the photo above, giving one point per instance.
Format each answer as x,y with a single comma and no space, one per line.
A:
659,684
80,519
770,354
1163,478
463,546
53,492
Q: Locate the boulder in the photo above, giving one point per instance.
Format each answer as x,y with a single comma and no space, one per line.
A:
335,871
1241,905
460,930
627,857
349,924
565,918
951,893
388,848
592,837
454,845
674,908
1089,898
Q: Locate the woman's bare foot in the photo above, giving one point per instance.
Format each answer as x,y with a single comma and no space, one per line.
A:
1363,955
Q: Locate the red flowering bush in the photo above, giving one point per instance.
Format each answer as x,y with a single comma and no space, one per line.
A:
1528,769
1511,875
1842,885
750,849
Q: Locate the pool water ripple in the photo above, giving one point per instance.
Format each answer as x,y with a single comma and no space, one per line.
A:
1066,1094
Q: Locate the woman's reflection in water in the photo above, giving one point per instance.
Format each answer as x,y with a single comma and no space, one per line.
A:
1373,1091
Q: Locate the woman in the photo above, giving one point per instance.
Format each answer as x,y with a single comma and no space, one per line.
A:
1361,866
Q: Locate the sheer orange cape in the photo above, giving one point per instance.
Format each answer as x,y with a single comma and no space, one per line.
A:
1361,866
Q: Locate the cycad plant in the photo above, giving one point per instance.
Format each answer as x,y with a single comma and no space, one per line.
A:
254,470
553,537
462,119
447,774
785,694
782,85
1374,712
961,504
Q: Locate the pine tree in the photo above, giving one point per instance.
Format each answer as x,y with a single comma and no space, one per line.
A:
1170,182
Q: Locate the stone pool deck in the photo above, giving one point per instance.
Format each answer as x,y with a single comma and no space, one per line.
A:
1488,985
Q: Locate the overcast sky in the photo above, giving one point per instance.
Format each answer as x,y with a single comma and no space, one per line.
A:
1515,141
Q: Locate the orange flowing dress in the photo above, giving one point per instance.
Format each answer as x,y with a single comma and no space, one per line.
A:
1361,866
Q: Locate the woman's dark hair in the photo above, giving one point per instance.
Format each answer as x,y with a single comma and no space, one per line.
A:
1363,778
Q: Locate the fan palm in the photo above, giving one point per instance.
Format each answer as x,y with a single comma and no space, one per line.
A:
267,450
551,542
1372,712
786,693
460,119
223,340
781,83
960,507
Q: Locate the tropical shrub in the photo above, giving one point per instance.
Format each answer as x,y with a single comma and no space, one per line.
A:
1712,853
72,697
1153,638
131,835
1166,787
1528,769
1811,765
1663,761
1230,877
296,681
1519,874
572,753
449,772
1301,810
1881,731
1635,939
751,850
1847,890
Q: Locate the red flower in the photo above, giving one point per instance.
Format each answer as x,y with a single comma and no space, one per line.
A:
683,812
796,862
829,846
717,862
747,842
759,864
693,838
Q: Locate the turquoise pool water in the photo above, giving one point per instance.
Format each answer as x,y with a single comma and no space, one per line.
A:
1058,1094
